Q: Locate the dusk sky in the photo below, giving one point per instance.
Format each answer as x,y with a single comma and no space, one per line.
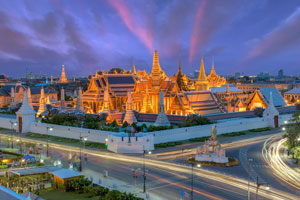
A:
92,35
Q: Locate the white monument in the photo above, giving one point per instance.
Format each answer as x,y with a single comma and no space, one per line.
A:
25,116
271,114
211,151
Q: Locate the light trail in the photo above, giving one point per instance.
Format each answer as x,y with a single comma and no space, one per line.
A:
230,145
271,154
242,184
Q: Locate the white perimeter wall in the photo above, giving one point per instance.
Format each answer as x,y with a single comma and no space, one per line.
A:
5,122
223,126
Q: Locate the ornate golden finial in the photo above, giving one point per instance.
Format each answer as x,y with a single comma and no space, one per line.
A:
202,75
133,68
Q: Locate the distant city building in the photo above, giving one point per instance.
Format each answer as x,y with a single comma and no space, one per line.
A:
237,75
3,79
280,74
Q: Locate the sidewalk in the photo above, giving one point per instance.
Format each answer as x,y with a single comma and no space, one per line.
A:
115,184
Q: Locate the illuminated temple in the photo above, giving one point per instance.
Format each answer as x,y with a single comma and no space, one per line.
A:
181,95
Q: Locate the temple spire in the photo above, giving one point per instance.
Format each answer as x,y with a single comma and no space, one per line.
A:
202,75
129,115
42,106
201,83
25,108
179,67
156,66
62,99
63,78
162,119
79,101
213,68
133,68
106,101
29,96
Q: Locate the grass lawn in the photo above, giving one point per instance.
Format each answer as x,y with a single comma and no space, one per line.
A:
51,194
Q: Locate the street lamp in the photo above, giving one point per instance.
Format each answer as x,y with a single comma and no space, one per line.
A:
192,183
144,168
285,122
249,160
48,129
283,128
82,140
12,123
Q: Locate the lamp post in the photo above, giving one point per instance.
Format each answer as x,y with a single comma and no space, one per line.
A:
48,129
144,168
12,123
192,180
18,143
82,140
192,183
249,160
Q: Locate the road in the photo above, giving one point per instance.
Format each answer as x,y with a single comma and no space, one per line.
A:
165,179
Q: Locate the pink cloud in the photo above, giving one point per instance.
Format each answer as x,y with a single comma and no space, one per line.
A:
283,36
143,33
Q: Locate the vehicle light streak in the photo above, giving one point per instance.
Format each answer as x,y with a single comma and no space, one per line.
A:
271,154
242,184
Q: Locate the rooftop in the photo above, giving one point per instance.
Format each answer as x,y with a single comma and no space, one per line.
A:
66,173
293,91
6,193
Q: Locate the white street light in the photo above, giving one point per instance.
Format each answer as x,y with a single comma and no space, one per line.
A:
50,129
298,139
285,122
198,165
149,152
267,188
283,128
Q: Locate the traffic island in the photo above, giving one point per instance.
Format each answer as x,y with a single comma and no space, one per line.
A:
231,162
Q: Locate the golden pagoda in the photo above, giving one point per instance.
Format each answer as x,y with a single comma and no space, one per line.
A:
133,69
184,83
63,78
214,80
201,83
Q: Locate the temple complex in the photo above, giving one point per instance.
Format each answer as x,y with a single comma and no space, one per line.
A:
179,95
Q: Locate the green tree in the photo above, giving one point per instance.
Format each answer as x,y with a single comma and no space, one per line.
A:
125,124
296,152
293,130
114,123
114,195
